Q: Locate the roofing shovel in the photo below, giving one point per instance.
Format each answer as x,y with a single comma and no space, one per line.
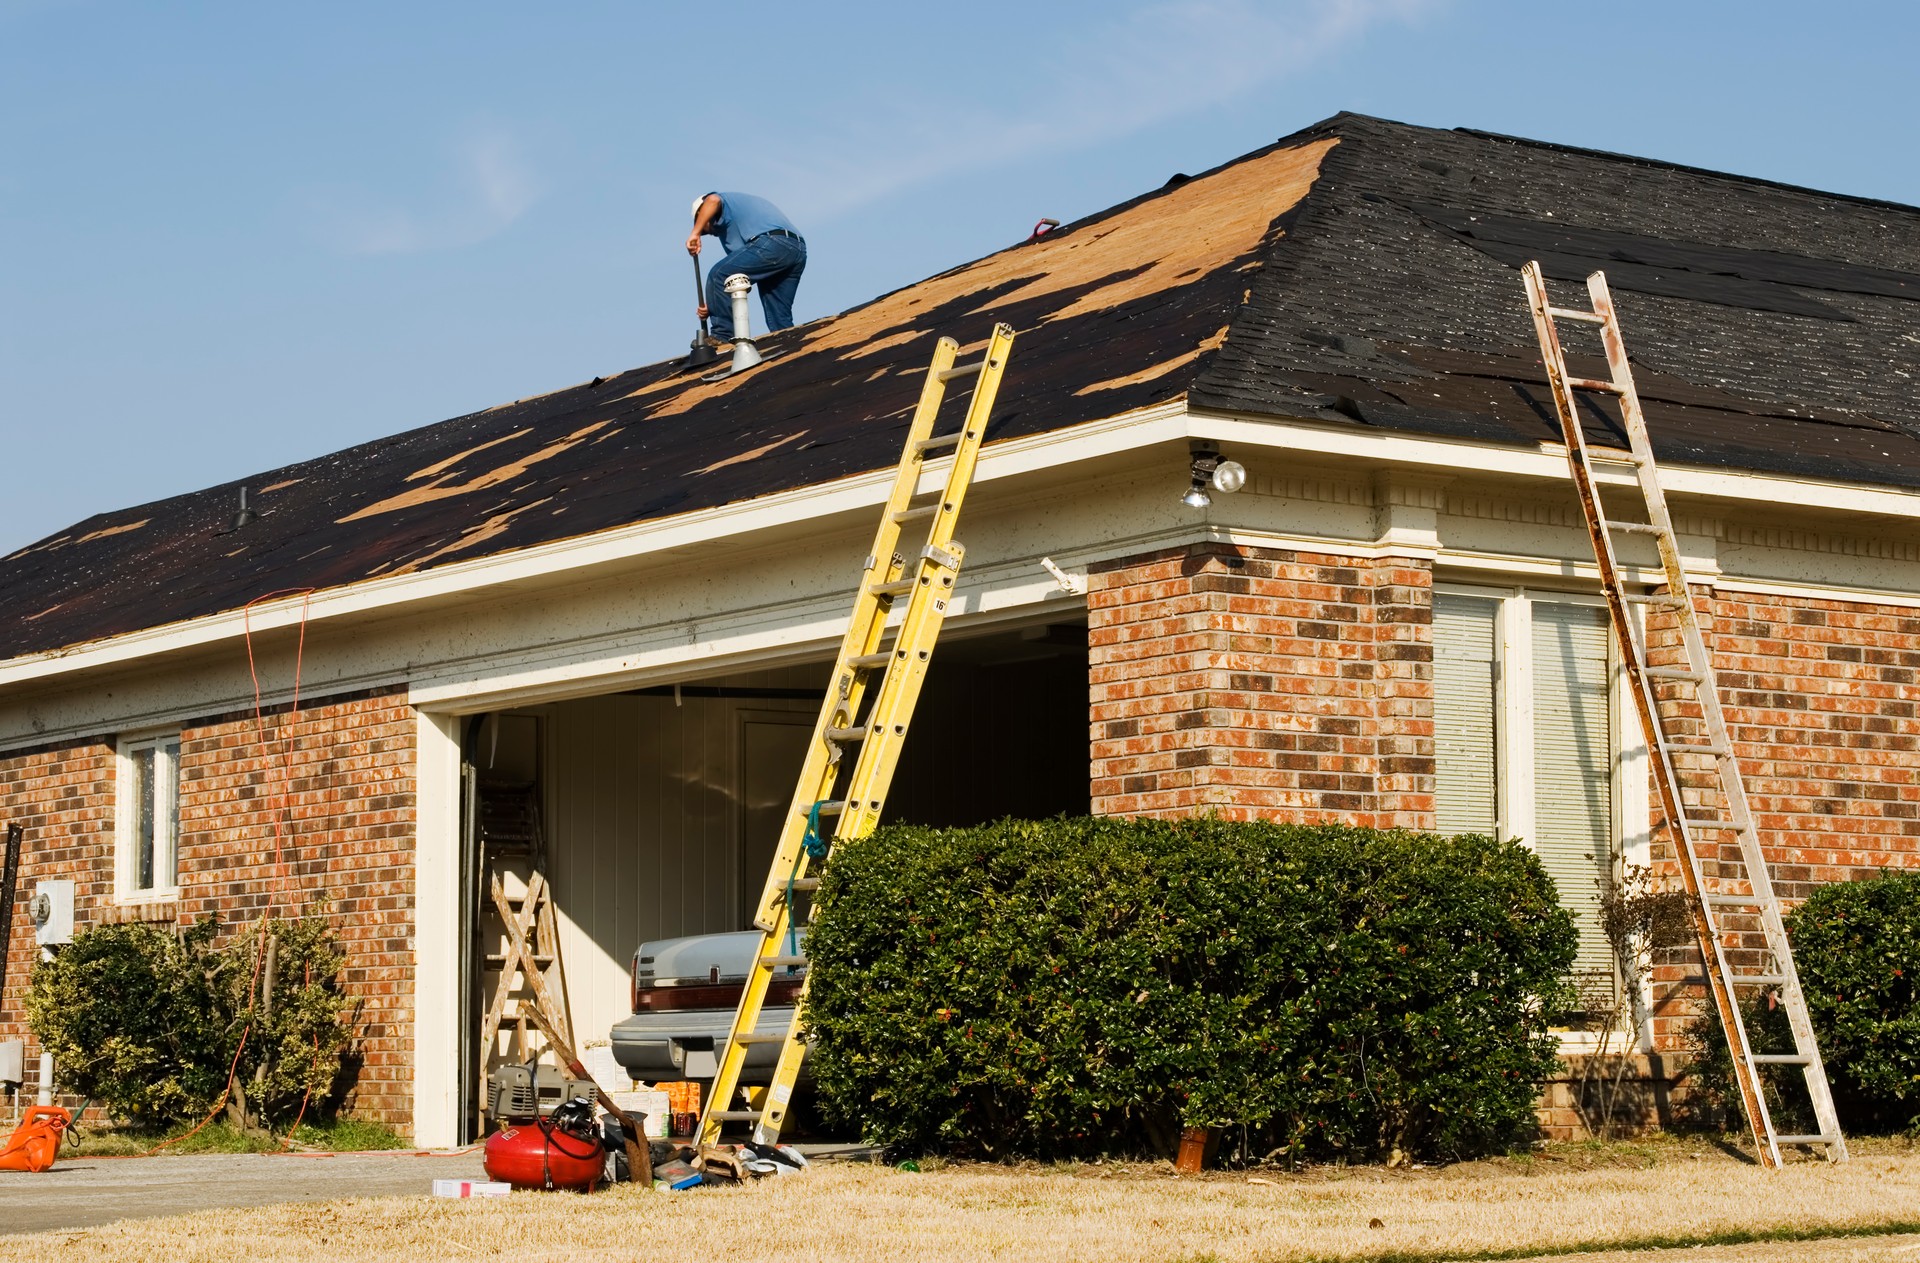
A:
702,353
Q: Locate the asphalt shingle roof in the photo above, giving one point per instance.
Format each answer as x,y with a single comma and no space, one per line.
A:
1360,273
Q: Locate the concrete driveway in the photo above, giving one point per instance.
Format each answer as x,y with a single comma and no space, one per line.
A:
84,1192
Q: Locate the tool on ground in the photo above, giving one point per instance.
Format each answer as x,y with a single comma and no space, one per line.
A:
703,352
1713,832
36,1141
562,1150
879,665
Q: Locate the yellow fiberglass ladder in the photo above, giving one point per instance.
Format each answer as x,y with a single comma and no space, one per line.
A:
1705,802
870,698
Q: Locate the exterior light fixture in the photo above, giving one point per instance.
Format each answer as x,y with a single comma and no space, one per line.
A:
1211,473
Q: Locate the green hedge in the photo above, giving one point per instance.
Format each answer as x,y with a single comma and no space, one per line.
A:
146,1020
1077,986
1857,947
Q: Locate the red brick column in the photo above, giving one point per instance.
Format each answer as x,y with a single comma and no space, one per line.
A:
340,781
1262,683
1823,702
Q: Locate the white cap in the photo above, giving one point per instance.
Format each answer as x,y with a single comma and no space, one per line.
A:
698,202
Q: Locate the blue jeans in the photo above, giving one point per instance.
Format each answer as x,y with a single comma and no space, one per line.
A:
773,263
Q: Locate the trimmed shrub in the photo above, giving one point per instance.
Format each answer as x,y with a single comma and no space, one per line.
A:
146,1020
1857,947
134,1018
1077,986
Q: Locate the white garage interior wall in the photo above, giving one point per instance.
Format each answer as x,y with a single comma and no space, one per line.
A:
661,813
644,821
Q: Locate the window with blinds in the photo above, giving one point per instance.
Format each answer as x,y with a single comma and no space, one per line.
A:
1466,782
1552,783
1573,767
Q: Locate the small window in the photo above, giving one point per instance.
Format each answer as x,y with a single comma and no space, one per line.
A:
149,817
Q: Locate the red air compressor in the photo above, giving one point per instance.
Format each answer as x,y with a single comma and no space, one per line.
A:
562,1150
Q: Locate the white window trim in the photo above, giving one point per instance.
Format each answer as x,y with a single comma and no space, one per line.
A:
125,862
1513,684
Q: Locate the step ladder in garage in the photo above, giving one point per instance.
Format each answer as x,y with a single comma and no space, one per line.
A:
519,935
1721,860
910,571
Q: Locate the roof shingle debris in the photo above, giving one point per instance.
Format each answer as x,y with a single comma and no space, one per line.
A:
1358,273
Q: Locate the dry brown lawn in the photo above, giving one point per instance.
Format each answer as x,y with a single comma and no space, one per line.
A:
1637,1198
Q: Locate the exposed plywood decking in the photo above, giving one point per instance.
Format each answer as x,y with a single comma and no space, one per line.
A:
1129,302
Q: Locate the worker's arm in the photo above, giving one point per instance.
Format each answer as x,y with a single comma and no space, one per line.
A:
709,211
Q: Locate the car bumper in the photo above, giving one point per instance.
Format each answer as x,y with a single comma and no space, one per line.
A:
664,1045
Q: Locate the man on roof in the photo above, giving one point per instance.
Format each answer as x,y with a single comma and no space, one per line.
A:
762,243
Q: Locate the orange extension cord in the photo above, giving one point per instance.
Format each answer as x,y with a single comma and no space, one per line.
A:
279,865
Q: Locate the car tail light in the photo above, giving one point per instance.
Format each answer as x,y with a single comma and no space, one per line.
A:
724,996
633,978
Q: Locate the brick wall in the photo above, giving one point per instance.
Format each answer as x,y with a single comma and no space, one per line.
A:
346,832
1824,709
1262,682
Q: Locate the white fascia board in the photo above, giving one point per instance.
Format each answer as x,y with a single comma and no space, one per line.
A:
1148,427
1547,462
546,562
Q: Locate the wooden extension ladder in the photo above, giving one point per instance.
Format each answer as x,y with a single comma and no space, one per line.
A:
1727,879
877,666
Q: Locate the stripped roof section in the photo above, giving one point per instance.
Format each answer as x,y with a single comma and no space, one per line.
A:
1360,273
1118,309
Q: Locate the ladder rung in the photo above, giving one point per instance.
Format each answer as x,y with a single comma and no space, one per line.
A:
806,883
896,588
831,807
497,959
1610,457
1574,313
1593,383
868,661
1667,599
848,735
1780,1059
1759,980
1675,673
735,1116
1727,826
759,1039
1735,901
782,962
1807,1140
961,370
913,515
938,441
1636,528
1676,748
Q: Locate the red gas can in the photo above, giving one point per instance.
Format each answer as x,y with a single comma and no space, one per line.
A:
540,1155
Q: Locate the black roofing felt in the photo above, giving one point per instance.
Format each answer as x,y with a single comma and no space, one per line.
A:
1773,329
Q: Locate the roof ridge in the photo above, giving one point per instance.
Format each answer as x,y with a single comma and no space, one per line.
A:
1664,164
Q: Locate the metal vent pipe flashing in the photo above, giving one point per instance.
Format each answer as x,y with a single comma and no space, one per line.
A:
745,353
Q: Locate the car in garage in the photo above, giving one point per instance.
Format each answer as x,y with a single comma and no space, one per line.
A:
684,995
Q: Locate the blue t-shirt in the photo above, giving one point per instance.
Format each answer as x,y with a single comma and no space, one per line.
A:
743,217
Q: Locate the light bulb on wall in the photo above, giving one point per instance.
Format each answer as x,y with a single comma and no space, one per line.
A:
1211,473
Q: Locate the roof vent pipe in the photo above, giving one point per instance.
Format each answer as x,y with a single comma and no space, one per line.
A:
245,515
745,353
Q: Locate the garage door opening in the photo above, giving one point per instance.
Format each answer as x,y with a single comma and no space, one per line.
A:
660,807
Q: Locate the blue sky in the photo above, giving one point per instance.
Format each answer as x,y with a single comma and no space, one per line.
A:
238,235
